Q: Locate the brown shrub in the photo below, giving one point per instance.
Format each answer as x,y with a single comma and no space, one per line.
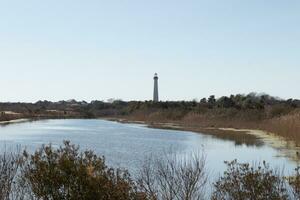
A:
241,181
65,173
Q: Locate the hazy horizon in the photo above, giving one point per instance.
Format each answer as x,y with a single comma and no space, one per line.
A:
110,100
96,50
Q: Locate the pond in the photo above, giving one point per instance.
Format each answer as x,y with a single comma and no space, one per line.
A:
128,145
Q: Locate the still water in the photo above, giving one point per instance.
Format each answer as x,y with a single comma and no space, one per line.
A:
127,145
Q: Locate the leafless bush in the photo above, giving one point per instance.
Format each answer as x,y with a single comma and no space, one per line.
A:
294,182
9,167
173,178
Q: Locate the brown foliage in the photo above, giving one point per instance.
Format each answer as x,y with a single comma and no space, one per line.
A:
241,181
294,182
65,173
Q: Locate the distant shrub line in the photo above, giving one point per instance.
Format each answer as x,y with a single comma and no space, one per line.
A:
273,106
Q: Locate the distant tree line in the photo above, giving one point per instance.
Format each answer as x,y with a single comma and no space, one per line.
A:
258,102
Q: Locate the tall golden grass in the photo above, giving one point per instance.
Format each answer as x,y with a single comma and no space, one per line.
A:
287,126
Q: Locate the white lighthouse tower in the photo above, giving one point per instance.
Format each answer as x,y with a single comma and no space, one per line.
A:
155,93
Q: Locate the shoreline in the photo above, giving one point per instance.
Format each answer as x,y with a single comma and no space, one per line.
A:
247,137
14,121
258,138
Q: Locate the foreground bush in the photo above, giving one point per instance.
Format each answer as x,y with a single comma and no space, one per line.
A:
243,182
294,182
9,166
65,173
173,178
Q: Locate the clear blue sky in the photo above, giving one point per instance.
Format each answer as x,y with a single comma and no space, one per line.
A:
93,49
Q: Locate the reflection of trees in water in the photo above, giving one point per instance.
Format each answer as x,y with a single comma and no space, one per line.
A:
241,139
238,137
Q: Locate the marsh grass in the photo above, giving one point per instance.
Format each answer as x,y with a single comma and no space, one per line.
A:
287,126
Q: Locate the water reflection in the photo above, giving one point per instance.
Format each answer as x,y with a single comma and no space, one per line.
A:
240,139
127,145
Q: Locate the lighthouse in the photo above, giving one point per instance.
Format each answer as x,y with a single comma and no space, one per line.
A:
155,93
